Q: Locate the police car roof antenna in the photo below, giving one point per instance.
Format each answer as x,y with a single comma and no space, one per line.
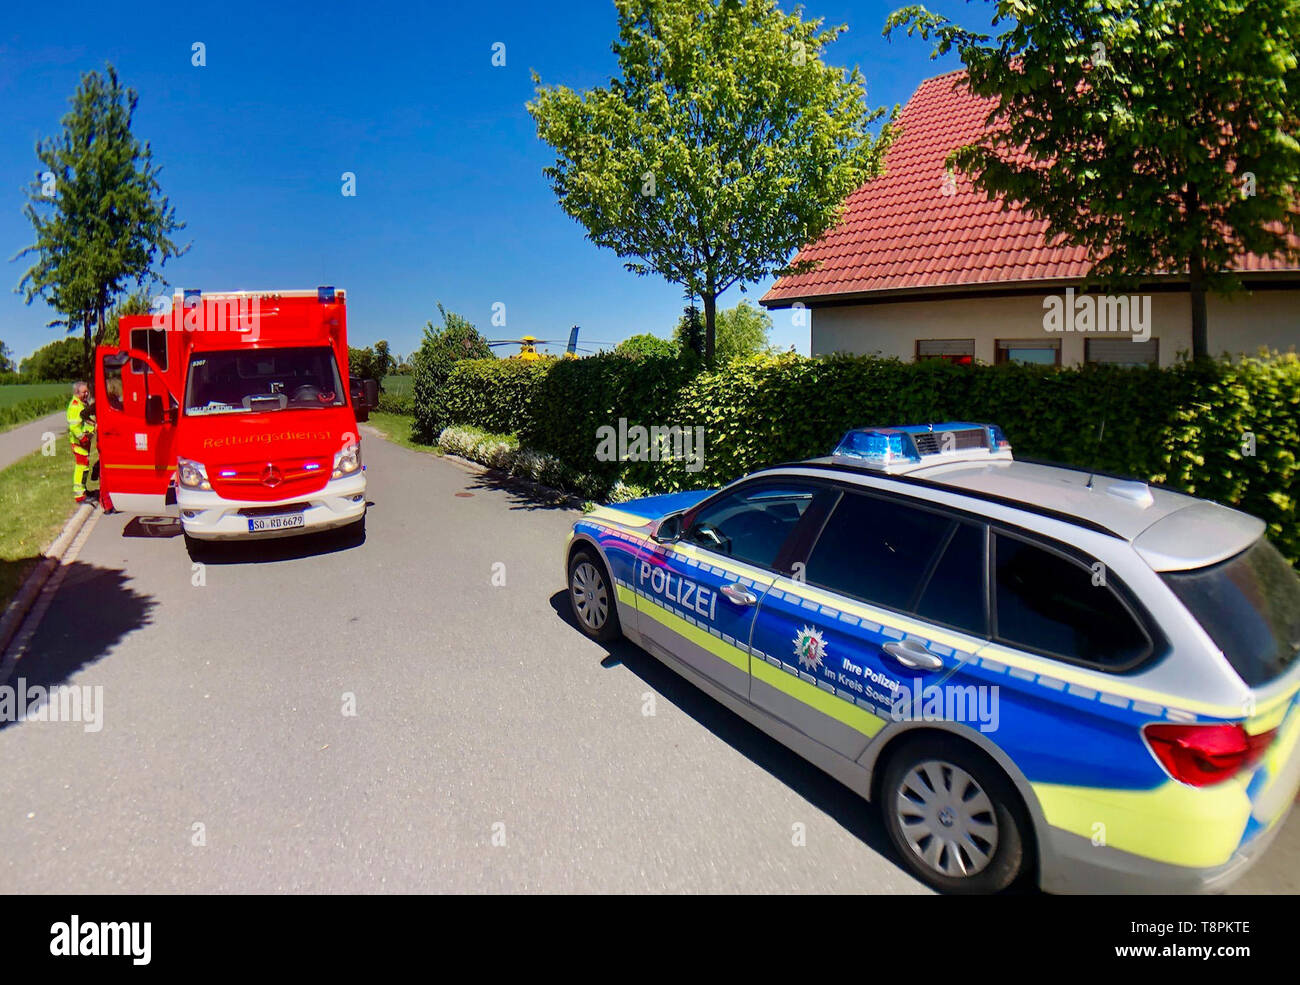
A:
1100,435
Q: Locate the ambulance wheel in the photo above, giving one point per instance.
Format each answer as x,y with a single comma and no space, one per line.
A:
591,594
954,817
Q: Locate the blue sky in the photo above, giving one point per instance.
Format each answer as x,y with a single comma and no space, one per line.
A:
451,204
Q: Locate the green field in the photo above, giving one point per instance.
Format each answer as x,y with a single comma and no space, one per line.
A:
35,500
398,386
15,393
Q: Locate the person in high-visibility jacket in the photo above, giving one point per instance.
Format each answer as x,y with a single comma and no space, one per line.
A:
80,433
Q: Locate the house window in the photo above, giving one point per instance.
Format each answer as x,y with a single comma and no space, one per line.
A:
1034,352
1122,352
960,351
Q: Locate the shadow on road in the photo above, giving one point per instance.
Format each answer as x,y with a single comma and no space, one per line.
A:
523,495
277,549
93,610
824,792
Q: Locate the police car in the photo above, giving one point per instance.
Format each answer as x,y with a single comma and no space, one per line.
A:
1036,671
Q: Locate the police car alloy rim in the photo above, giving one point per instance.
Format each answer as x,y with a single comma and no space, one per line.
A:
947,819
590,600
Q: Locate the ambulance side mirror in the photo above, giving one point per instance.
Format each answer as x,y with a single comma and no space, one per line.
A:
370,392
153,410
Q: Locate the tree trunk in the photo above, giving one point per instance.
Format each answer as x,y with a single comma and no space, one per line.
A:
87,350
1200,320
710,300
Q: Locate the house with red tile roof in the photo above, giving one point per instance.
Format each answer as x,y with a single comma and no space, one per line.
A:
923,265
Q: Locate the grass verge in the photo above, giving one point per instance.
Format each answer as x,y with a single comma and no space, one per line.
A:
397,429
35,502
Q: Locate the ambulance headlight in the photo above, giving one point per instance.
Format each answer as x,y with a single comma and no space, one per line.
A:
191,475
347,461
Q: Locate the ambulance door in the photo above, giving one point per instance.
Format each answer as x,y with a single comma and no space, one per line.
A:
136,416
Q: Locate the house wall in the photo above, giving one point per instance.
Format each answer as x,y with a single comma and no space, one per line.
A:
1261,318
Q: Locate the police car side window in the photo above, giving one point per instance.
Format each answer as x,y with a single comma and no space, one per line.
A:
1051,604
753,523
878,550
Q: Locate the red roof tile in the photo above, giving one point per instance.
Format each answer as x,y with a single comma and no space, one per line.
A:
901,232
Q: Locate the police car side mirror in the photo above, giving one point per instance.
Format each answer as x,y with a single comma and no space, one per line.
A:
668,530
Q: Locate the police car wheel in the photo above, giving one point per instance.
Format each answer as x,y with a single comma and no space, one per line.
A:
954,817
592,598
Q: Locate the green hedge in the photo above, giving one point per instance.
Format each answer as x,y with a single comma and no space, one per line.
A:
1186,426
31,409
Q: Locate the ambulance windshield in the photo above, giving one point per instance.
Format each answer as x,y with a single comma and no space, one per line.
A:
252,381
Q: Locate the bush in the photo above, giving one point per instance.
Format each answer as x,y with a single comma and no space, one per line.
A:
440,349
396,403
30,410
1223,430
502,452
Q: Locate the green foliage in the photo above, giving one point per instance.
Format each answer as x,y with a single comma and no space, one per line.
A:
100,217
724,143
440,349
645,344
494,394
370,362
742,331
12,415
689,333
1158,136
60,361
1188,426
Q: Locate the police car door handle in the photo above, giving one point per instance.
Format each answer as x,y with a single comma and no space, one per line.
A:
739,594
913,655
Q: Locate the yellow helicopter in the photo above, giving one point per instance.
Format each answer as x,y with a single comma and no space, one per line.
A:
528,346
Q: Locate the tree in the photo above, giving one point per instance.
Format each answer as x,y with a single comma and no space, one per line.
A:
100,217
742,331
689,333
384,360
60,361
440,349
724,145
1159,136
645,344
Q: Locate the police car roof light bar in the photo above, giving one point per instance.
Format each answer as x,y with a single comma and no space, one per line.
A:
895,450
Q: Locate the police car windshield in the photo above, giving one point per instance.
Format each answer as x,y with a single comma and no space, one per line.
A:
248,381
1250,606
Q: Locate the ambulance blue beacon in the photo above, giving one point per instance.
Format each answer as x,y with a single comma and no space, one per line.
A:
1037,672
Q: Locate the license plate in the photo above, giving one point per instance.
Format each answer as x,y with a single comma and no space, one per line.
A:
262,524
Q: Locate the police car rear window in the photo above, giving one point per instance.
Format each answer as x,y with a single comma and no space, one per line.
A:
1050,604
1250,607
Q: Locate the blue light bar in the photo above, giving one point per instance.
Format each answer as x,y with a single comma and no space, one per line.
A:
901,449
325,295
191,297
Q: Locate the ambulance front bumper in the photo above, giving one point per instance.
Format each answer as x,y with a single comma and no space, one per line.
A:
207,516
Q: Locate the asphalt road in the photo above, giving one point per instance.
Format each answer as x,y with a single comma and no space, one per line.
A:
494,748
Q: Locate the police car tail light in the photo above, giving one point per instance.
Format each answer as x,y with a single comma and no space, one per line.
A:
1202,755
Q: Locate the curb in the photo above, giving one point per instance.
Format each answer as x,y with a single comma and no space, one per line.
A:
22,603
535,489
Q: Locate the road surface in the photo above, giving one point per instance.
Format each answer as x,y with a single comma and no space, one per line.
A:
494,748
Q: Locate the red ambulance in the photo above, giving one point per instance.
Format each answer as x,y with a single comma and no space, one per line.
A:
233,411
